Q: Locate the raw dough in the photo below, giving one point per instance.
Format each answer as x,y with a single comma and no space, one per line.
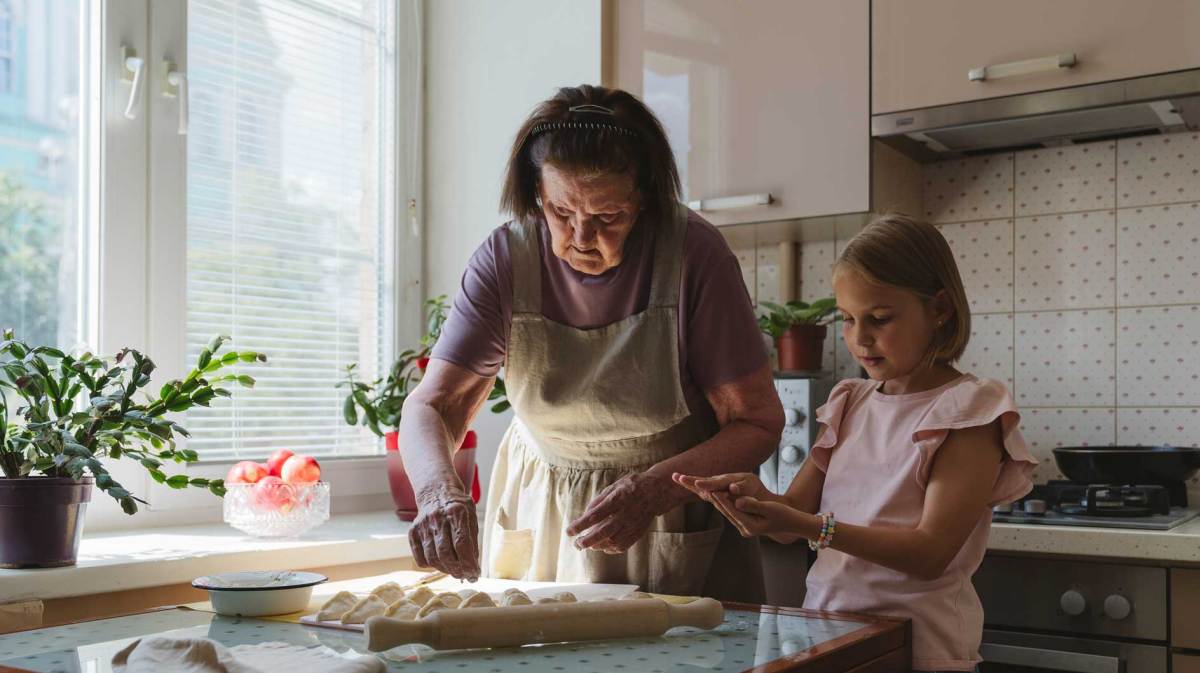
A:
420,595
548,599
478,600
389,592
371,606
402,609
634,595
565,597
450,598
466,593
515,597
436,603
337,606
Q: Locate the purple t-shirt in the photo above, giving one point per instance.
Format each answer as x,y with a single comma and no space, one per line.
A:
719,340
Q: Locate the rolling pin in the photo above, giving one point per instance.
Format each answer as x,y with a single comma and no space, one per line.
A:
545,623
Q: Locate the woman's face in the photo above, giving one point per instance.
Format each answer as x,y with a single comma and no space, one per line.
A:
590,217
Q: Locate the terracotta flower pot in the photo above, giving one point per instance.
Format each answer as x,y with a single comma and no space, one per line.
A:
801,347
41,521
402,490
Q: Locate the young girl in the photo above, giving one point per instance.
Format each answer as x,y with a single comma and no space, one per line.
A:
911,459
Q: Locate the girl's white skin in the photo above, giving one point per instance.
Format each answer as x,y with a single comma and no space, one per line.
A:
888,330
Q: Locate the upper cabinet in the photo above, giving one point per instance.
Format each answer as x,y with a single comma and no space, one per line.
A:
923,52
765,97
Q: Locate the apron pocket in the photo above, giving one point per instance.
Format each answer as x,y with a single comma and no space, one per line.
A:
679,562
511,551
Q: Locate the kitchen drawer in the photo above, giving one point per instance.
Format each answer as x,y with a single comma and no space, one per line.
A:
1074,597
1185,609
1185,663
922,51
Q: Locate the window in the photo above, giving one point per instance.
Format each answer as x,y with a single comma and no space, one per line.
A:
44,140
288,208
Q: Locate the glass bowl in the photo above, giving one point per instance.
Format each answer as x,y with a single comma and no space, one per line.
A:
277,508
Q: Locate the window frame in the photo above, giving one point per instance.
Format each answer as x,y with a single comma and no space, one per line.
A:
141,241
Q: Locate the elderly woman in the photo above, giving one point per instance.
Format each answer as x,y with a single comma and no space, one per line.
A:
630,352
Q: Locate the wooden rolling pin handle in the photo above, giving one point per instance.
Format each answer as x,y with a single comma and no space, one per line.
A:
703,613
384,633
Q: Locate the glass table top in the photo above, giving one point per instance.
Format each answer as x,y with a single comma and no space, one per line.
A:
744,640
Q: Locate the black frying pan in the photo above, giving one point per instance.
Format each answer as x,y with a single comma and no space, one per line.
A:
1127,464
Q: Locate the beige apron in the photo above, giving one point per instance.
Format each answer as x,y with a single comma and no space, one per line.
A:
593,406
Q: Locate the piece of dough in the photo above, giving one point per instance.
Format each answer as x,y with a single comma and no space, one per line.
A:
420,595
515,597
547,599
566,597
371,606
335,607
634,595
389,592
450,598
402,609
436,603
466,593
478,600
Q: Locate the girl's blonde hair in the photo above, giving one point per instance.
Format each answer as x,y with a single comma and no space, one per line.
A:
900,252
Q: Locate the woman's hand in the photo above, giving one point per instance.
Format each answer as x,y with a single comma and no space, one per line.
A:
622,513
750,507
445,534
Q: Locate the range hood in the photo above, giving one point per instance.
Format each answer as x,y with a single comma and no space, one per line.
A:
1139,106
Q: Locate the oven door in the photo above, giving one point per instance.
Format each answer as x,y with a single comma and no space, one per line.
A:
1014,652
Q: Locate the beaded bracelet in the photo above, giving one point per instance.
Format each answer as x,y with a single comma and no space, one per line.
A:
825,537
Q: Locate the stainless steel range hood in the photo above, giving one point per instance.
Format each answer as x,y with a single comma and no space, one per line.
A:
1144,105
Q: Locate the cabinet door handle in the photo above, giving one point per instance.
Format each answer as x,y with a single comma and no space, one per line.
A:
731,202
1049,660
1044,64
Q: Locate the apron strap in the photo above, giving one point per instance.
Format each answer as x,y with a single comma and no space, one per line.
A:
525,256
668,260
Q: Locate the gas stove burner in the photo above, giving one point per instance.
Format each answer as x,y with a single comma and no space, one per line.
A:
1115,501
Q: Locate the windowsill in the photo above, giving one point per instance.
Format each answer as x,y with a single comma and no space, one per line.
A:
152,557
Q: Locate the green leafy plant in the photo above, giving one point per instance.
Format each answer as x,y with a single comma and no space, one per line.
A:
779,317
77,411
377,404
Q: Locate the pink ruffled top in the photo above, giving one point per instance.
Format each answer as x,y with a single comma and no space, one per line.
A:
877,452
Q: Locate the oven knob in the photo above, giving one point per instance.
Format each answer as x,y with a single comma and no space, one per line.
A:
793,416
791,454
1073,603
1035,506
1117,607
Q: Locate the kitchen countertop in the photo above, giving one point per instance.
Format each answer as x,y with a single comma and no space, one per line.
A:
153,557
1180,545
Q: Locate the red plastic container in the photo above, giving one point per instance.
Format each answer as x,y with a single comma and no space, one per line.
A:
402,491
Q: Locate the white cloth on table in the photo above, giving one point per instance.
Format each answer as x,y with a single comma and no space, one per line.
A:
157,654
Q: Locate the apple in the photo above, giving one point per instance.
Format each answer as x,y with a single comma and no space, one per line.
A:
422,363
300,470
274,494
246,472
276,461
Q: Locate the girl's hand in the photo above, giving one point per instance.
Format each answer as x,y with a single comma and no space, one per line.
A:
754,517
735,484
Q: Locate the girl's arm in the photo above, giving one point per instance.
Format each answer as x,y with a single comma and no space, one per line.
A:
960,485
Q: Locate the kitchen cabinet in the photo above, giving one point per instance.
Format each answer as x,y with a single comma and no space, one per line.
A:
922,51
1185,663
1185,608
768,97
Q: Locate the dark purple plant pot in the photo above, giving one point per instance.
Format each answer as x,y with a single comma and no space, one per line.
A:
41,520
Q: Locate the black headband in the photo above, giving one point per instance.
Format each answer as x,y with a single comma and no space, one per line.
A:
584,117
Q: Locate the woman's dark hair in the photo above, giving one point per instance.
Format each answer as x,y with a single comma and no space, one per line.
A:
630,140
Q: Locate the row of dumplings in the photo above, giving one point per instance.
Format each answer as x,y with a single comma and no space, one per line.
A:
391,600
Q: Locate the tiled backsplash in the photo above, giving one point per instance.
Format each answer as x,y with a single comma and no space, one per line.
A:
1082,266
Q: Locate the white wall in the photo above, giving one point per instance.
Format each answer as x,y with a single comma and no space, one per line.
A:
487,64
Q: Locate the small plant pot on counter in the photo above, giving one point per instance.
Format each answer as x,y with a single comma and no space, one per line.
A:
801,347
41,520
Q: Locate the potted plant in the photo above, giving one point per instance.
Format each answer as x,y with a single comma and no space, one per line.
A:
377,405
75,412
799,330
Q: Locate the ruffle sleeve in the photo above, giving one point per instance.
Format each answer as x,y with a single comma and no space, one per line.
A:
974,403
831,415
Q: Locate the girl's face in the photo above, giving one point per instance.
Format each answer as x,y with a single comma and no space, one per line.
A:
887,329
589,217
